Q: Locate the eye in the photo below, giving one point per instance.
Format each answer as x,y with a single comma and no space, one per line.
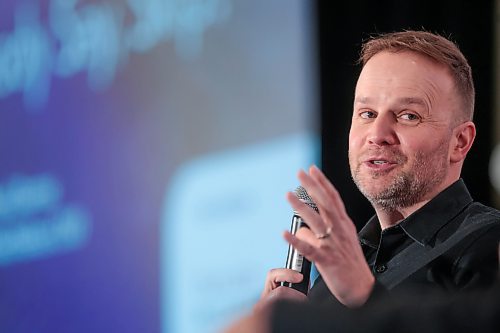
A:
409,117
367,114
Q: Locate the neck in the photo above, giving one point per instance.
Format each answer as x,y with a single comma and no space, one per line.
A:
390,217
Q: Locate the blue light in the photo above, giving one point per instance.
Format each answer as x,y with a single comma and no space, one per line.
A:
23,196
222,219
184,21
89,41
35,222
25,59
93,38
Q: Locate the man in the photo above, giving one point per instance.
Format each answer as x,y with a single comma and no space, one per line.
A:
411,131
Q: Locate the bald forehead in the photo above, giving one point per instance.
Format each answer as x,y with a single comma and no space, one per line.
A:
407,78
400,100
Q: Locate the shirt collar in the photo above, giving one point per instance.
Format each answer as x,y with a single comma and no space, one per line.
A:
424,223
370,233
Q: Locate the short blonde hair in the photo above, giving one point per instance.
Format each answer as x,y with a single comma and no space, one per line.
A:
434,46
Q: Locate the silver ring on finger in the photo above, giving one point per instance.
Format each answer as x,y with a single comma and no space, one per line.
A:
325,235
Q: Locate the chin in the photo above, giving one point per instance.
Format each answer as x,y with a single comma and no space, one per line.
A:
370,188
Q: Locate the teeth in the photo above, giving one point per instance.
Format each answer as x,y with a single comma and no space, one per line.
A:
379,162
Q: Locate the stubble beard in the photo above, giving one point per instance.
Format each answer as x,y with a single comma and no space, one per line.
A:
407,188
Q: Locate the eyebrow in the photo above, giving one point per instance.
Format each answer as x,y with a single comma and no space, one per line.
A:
411,100
399,101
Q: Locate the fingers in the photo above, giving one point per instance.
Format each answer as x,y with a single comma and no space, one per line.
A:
309,215
328,187
314,189
278,275
304,247
323,191
306,235
332,241
326,197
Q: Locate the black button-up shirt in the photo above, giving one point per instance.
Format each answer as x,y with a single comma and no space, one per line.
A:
450,243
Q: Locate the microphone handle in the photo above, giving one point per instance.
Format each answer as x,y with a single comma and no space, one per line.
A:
297,261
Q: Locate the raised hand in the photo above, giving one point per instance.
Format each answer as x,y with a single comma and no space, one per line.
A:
332,241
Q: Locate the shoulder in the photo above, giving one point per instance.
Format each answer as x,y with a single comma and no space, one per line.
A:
477,212
474,222
476,262
472,240
479,226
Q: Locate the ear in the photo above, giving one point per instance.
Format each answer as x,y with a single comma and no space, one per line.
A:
461,141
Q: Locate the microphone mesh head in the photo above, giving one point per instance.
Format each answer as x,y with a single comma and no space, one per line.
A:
302,194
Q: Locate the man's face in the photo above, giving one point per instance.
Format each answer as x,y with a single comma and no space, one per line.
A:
399,143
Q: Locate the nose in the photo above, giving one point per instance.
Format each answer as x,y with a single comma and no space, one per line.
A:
382,131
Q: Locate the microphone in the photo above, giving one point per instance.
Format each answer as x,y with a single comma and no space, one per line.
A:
295,260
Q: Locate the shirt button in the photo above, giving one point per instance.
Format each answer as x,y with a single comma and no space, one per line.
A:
380,268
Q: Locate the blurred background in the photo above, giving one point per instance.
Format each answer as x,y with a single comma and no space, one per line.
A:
146,147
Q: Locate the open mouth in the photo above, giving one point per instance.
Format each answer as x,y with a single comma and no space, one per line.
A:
379,162
380,165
